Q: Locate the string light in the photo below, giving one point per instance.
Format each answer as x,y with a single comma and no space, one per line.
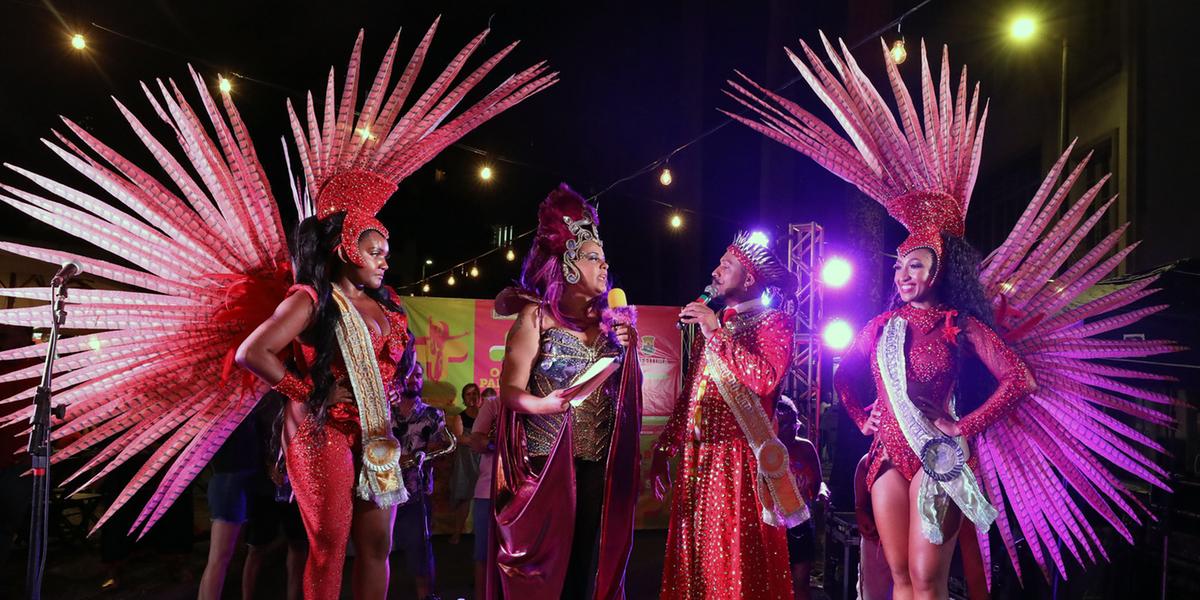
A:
224,84
425,288
485,173
510,255
676,221
474,272
78,42
899,52
451,281
665,177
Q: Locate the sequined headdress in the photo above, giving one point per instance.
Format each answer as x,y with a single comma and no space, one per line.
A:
921,171
565,222
354,163
759,261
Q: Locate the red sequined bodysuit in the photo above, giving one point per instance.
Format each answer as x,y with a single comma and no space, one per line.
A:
718,548
931,373
323,465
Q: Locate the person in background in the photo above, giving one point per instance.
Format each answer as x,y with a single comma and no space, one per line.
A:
466,462
806,466
874,575
483,442
417,426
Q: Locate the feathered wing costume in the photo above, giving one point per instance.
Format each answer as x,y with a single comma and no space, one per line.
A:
208,257
1058,446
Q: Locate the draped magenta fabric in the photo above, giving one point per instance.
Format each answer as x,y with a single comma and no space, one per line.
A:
534,514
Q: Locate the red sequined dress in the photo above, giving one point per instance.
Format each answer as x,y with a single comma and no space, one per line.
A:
323,464
717,545
931,369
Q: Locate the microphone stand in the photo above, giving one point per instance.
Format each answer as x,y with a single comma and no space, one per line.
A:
39,448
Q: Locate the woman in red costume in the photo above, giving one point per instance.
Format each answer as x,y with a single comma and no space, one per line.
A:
565,484
352,332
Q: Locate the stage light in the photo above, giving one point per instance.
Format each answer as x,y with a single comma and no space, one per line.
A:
765,298
510,255
78,42
759,238
1022,28
676,221
665,177
836,272
451,281
899,52
425,288
837,334
366,133
485,173
224,84
474,271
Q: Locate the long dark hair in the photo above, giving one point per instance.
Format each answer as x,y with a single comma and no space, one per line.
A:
958,287
316,242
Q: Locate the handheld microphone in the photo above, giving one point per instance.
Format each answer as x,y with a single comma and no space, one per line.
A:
705,297
617,299
68,271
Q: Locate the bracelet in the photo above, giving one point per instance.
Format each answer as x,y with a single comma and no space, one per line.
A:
293,387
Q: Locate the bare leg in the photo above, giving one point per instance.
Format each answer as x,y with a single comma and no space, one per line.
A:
255,555
889,502
929,564
371,531
221,546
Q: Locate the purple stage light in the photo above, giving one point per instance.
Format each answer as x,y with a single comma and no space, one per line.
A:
836,272
837,334
759,238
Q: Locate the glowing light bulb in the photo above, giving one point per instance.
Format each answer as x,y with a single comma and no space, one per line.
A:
474,271
676,221
451,280
1023,27
837,334
510,255
485,173
836,272
665,177
425,288
899,52
759,238
224,84
78,42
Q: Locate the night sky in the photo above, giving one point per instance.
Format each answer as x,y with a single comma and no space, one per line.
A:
638,80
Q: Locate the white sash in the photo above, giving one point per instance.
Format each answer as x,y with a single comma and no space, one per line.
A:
946,474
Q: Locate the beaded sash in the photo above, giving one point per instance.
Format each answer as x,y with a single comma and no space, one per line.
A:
777,491
943,458
379,479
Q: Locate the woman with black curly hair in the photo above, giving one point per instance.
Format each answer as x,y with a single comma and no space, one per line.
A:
352,335
941,308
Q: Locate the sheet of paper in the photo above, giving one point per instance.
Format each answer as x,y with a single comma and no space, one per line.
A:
590,380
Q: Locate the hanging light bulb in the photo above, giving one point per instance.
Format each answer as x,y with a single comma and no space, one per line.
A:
224,84
451,280
474,272
425,288
78,42
665,177
899,52
486,173
510,255
676,221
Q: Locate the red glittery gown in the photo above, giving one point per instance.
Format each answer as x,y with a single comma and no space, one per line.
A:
322,463
931,372
717,545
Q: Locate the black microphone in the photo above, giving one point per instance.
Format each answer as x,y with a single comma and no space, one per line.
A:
705,297
68,271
